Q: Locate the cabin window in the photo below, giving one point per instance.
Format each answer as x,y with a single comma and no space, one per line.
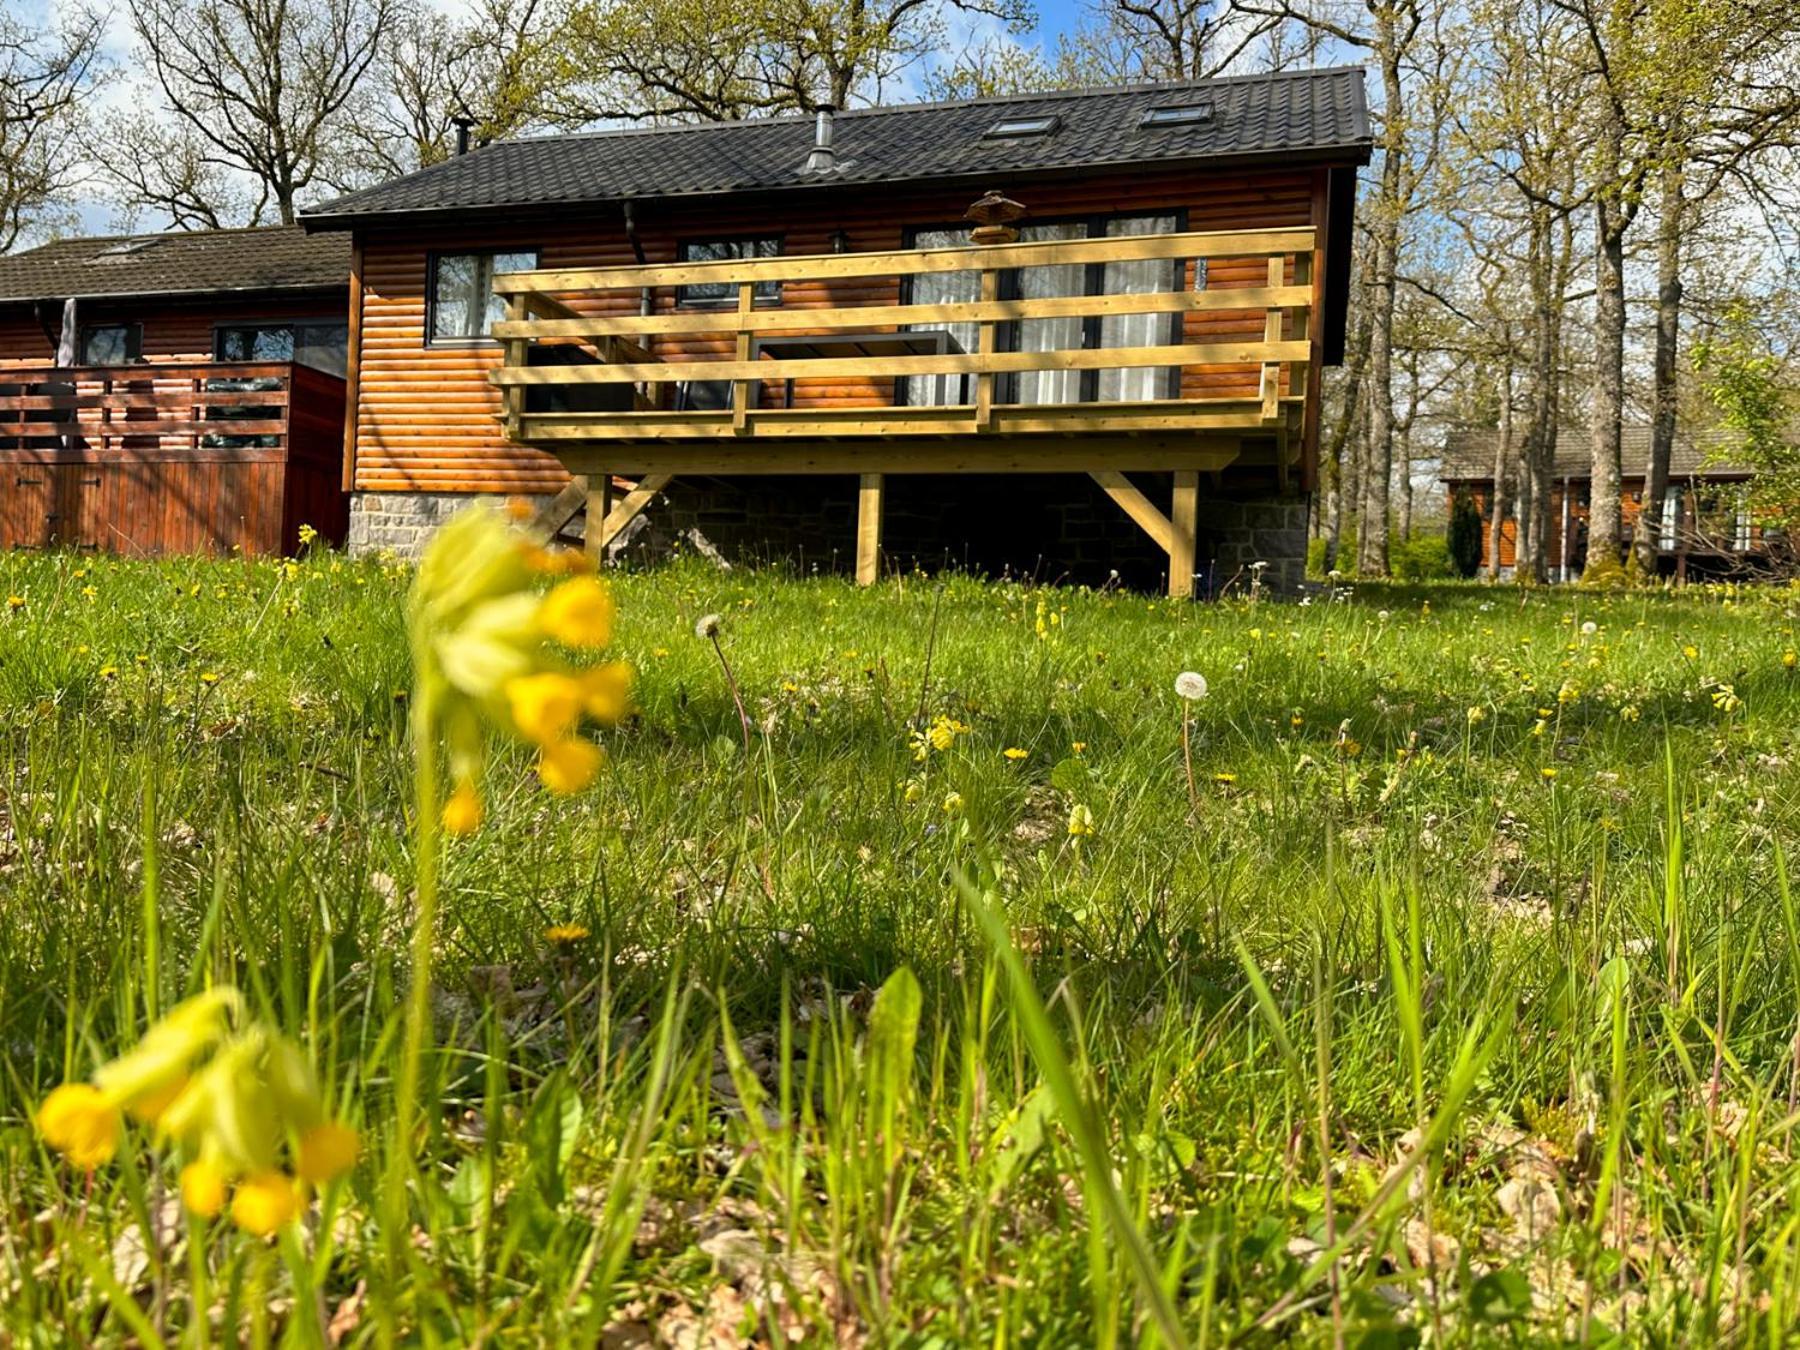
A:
112,344
463,306
321,344
707,293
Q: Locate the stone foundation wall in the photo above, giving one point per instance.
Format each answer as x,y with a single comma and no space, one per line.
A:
1050,527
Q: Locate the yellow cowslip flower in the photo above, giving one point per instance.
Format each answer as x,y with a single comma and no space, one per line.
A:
482,652
545,706
265,1203
1081,821
463,812
578,613
568,766
203,1188
82,1123
325,1152
953,803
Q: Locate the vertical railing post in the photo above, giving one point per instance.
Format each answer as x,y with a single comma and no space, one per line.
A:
740,389
1184,520
516,356
1272,324
984,345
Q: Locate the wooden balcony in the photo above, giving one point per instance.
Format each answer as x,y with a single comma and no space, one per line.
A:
825,364
170,457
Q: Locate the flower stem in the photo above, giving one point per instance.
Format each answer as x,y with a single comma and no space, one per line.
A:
416,1032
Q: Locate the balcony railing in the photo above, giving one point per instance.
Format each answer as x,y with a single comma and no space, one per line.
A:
219,405
583,362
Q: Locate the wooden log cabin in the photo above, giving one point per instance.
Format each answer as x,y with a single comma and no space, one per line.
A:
1708,528
1135,289
174,392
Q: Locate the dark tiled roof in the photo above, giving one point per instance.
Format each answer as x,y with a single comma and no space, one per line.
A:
1317,114
272,258
1469,454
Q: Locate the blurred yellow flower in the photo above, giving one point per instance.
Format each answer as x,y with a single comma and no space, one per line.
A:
1081,821
578,613
203,1188
325,1152
1013,752
463,812
565,934
567,767
265,1203
81,1123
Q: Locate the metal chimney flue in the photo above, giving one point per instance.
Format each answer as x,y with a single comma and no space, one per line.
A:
464,124
822,158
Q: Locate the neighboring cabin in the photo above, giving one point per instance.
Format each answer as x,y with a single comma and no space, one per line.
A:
174,392
540,307
1707,528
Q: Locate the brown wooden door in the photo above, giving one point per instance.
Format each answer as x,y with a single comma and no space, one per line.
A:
26,490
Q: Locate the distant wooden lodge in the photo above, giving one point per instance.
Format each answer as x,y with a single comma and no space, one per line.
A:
1707,526
173,392
723,305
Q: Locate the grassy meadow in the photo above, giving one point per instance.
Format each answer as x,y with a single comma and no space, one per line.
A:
1435,978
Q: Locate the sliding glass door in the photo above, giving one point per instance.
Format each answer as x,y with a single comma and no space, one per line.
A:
1059,334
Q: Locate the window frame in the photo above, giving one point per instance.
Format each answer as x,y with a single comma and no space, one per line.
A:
432,260
761,299
295,325
134,341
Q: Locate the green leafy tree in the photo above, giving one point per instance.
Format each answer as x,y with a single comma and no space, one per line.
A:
1749,384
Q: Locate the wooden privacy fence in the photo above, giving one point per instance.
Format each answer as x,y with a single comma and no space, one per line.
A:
170,457
582,363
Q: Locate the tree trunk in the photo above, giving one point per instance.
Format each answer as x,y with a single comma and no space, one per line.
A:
1663,394
1372,537
1611,218
1343,481
1503,454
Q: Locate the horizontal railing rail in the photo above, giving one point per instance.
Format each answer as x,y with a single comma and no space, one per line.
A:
174,405
558,307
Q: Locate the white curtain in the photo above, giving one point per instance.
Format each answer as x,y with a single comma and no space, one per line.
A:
1050,335
1143,277
943,288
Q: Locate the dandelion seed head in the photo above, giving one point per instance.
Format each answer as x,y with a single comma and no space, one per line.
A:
1191,685
708,626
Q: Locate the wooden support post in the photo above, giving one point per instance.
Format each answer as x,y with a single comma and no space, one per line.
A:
1184,516
549,519
868,528
740,389
631,506
599,505
984,346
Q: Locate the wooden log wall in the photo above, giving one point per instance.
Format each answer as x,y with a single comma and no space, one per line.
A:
174,329
425,415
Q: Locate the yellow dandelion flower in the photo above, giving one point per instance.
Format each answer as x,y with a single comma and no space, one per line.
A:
209,677
1013,752
1547,772
579,613
1690,651
203,1188
1076,747
325,1152
567,767
1790,658
566,934
15,602
265,1203
1224,779
81,1123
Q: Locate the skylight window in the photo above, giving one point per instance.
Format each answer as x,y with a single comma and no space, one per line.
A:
129,246
1009,127
1177,115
